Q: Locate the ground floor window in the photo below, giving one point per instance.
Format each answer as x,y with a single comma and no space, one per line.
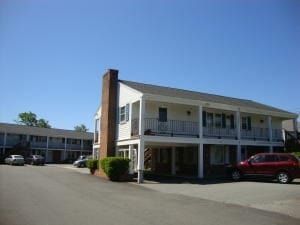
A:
219,155
124,153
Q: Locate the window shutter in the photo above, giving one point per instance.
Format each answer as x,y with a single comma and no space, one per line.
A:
223,120
204,118
249,122
127,112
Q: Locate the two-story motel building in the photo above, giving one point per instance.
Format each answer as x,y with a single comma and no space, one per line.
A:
180,132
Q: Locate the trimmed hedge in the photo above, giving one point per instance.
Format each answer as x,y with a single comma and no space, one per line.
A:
92,164
296,154
114,167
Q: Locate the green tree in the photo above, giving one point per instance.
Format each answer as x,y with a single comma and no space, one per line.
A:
30,119
43,123
81,128
27,118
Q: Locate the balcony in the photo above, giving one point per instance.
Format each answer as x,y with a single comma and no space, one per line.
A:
277,135
178,128
213,132
171,128
73,146
255,133
34,144
13,142
56,145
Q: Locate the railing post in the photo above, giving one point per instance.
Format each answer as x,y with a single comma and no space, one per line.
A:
200,109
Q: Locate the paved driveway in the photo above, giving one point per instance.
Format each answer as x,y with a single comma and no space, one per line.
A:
265,195
50,195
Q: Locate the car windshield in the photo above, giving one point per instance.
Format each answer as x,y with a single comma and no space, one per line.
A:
38,156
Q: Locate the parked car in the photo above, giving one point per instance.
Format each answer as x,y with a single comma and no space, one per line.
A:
282,166
35,160
81,161
14,160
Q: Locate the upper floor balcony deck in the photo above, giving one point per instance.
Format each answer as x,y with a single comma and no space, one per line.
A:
178,128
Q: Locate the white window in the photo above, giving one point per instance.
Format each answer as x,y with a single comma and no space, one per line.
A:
219,155
246,123
122,114
210,120
218,120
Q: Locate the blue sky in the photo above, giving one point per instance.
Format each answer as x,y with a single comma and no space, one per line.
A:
53,53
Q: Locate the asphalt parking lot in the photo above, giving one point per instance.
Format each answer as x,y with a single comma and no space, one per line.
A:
265,195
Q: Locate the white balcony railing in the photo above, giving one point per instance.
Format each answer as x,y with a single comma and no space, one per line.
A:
178,128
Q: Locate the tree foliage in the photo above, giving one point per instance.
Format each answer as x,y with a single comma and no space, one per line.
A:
30,119
81,128
43,123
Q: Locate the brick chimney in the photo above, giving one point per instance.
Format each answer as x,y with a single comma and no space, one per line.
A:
108,113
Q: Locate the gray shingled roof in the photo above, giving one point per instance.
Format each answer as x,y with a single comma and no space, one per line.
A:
193,95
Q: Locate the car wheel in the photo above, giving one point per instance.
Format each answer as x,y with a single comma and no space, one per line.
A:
31,163
283,177
236,175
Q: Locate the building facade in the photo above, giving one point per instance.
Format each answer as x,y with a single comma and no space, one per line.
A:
180,132
56,145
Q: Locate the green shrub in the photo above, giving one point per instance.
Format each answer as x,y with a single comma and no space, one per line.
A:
296,154
114,167
92,164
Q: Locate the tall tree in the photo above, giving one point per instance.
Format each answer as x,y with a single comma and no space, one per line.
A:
30,119
27,118
81,128
43,123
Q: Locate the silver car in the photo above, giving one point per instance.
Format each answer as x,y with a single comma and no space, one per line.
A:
15,160
81,161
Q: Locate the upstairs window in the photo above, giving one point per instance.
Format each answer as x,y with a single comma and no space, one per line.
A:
246,123
123,114
209,119
218,120
162,115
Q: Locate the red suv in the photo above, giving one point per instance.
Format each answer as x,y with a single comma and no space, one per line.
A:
282,166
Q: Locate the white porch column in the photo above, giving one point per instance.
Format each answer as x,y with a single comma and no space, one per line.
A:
238,153
200,121
270,133
141,147
141,115
130,156
173,161
238,124
200,161
270,128
141,150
